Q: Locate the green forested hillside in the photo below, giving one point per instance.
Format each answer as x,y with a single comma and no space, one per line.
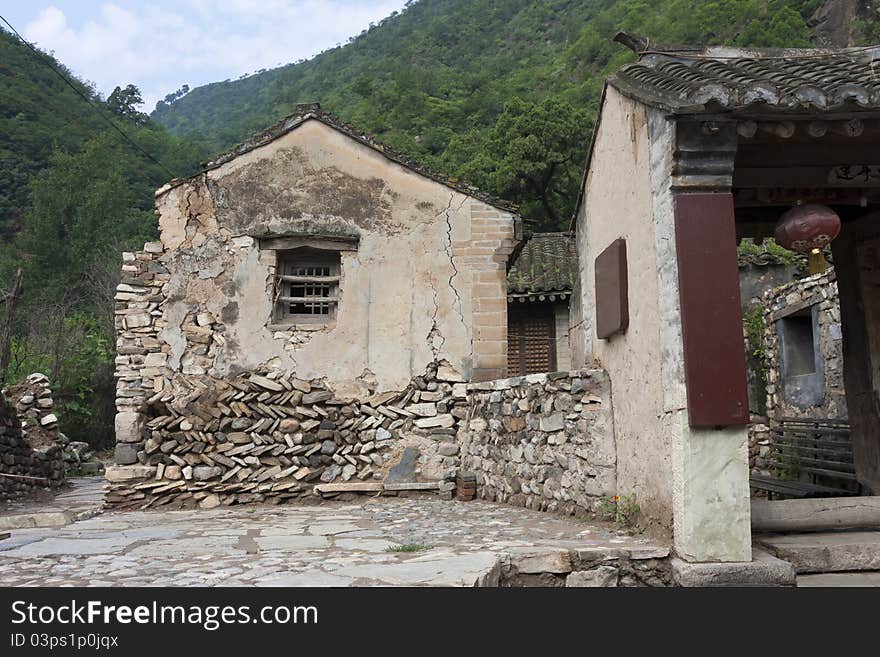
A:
434,80
73,195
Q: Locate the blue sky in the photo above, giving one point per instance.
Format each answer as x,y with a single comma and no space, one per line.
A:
162,45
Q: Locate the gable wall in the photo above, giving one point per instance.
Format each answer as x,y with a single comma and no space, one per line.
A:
427,272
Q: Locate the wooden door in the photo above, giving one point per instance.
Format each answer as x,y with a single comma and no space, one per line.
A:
531,338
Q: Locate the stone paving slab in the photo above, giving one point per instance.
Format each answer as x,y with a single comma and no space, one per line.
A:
82,498
329,544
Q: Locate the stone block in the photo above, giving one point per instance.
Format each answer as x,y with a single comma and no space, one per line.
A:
445,421
763,570
598,577
128,427
157,359
119,473
126,453
541,560
426,409
554,422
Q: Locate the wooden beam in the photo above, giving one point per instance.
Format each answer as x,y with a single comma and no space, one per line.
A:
309,279
851,128
747,129
817,128
783,129
310,300
800,177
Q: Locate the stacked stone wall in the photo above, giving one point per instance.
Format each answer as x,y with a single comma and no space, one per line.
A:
820,291
543,441
23,469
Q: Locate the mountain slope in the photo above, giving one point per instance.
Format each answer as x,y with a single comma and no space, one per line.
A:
38,112
443,67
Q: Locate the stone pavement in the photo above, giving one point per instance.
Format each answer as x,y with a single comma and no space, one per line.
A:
82,498
327,544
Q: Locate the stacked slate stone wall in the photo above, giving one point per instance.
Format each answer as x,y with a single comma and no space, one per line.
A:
543,441
270,437
30,469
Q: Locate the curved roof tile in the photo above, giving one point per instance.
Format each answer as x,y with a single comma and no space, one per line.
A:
692,80
547,263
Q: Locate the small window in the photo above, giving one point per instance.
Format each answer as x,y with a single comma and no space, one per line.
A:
307,287
798,344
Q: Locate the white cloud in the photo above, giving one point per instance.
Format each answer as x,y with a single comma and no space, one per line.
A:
161,47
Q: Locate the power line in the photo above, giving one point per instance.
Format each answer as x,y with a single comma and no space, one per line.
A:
88,100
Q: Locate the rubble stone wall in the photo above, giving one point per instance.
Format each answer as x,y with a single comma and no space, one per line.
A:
269,437
31,469
817,294
543,441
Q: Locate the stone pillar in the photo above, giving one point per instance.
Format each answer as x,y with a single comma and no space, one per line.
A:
140,363
711,509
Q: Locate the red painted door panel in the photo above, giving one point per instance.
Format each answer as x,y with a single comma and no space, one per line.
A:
714,357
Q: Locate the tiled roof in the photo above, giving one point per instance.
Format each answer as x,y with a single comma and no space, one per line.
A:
693,80
306,112
546,263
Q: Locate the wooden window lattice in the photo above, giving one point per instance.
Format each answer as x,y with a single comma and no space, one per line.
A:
308,287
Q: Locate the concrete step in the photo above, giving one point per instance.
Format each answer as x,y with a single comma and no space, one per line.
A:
843,580
825,552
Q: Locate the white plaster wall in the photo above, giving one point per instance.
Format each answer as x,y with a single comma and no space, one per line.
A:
618,203
690,480
405,301
563,350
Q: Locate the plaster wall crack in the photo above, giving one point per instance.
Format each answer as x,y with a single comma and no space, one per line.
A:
448,215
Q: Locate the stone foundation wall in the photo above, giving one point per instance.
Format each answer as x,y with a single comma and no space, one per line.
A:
585,568
269,437
31,469
543,441
760,448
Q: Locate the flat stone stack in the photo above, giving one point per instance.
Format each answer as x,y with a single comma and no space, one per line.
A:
271,437
543,441
34,405
138,318
30,469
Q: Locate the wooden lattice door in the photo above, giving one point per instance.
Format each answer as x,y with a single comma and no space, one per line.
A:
531,339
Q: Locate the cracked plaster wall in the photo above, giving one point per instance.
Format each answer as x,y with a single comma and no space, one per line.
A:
406,292
693,481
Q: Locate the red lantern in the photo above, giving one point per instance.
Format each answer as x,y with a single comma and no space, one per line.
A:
807,227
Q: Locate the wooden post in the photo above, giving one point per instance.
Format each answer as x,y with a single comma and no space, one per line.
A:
6,344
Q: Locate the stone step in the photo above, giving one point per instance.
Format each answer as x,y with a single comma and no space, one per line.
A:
825,552
869,578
